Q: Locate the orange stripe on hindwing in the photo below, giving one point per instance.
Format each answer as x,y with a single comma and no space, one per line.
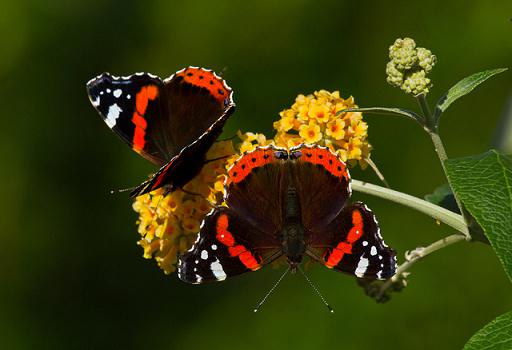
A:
345,247
244,165
235,250
146,94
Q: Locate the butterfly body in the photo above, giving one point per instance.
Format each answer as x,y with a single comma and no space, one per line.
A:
290,203
172,122
293,231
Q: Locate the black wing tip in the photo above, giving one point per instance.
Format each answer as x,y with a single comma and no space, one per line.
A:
98,79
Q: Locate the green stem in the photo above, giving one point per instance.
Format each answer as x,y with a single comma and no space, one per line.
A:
429,118
441,153
449,218
418,254
432,128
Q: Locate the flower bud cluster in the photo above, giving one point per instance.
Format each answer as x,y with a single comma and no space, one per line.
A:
409,65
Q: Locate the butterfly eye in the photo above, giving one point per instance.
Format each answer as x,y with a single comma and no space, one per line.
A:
295,155
281,154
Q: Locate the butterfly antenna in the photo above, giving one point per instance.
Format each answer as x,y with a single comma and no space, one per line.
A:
271,290
316,290
122,190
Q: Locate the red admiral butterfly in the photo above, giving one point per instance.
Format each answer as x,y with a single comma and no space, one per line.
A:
290,203
172,123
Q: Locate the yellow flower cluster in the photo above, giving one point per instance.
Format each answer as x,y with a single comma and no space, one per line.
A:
313,119
169,223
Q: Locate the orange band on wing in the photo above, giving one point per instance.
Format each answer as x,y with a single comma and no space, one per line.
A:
146,94
235,250
325,158
243,166
208,80
345,247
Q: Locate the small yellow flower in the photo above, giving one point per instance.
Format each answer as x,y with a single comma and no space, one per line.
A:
310,132
319,112
284,124
336,129
191,225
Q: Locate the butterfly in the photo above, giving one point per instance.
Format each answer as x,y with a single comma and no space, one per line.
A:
172,122
290,203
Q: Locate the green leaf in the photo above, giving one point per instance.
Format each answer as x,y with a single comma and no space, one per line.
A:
390,111
484,184
497,335
463,87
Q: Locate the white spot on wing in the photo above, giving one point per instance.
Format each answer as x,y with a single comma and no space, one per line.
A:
204,255
361,267
117,93
365,243
214,247
217,270
112,115
373,251
96,102
199,279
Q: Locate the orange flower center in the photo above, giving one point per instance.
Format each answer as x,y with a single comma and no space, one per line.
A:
320,115
311,133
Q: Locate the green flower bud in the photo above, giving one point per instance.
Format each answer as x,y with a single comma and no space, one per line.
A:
395,77
403,54
408,66
426,59
416,83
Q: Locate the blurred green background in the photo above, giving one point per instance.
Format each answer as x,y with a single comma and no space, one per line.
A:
71,273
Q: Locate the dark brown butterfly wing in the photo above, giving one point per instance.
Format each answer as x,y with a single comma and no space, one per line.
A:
196,99
322,183
256,187
352,243
227,246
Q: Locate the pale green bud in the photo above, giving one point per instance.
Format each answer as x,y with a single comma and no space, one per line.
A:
395,77
403,53
426,59
409,65
417,83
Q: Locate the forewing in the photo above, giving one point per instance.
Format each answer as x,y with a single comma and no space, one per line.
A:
131,106
255,188
197,99
227,246
322,183
352,243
